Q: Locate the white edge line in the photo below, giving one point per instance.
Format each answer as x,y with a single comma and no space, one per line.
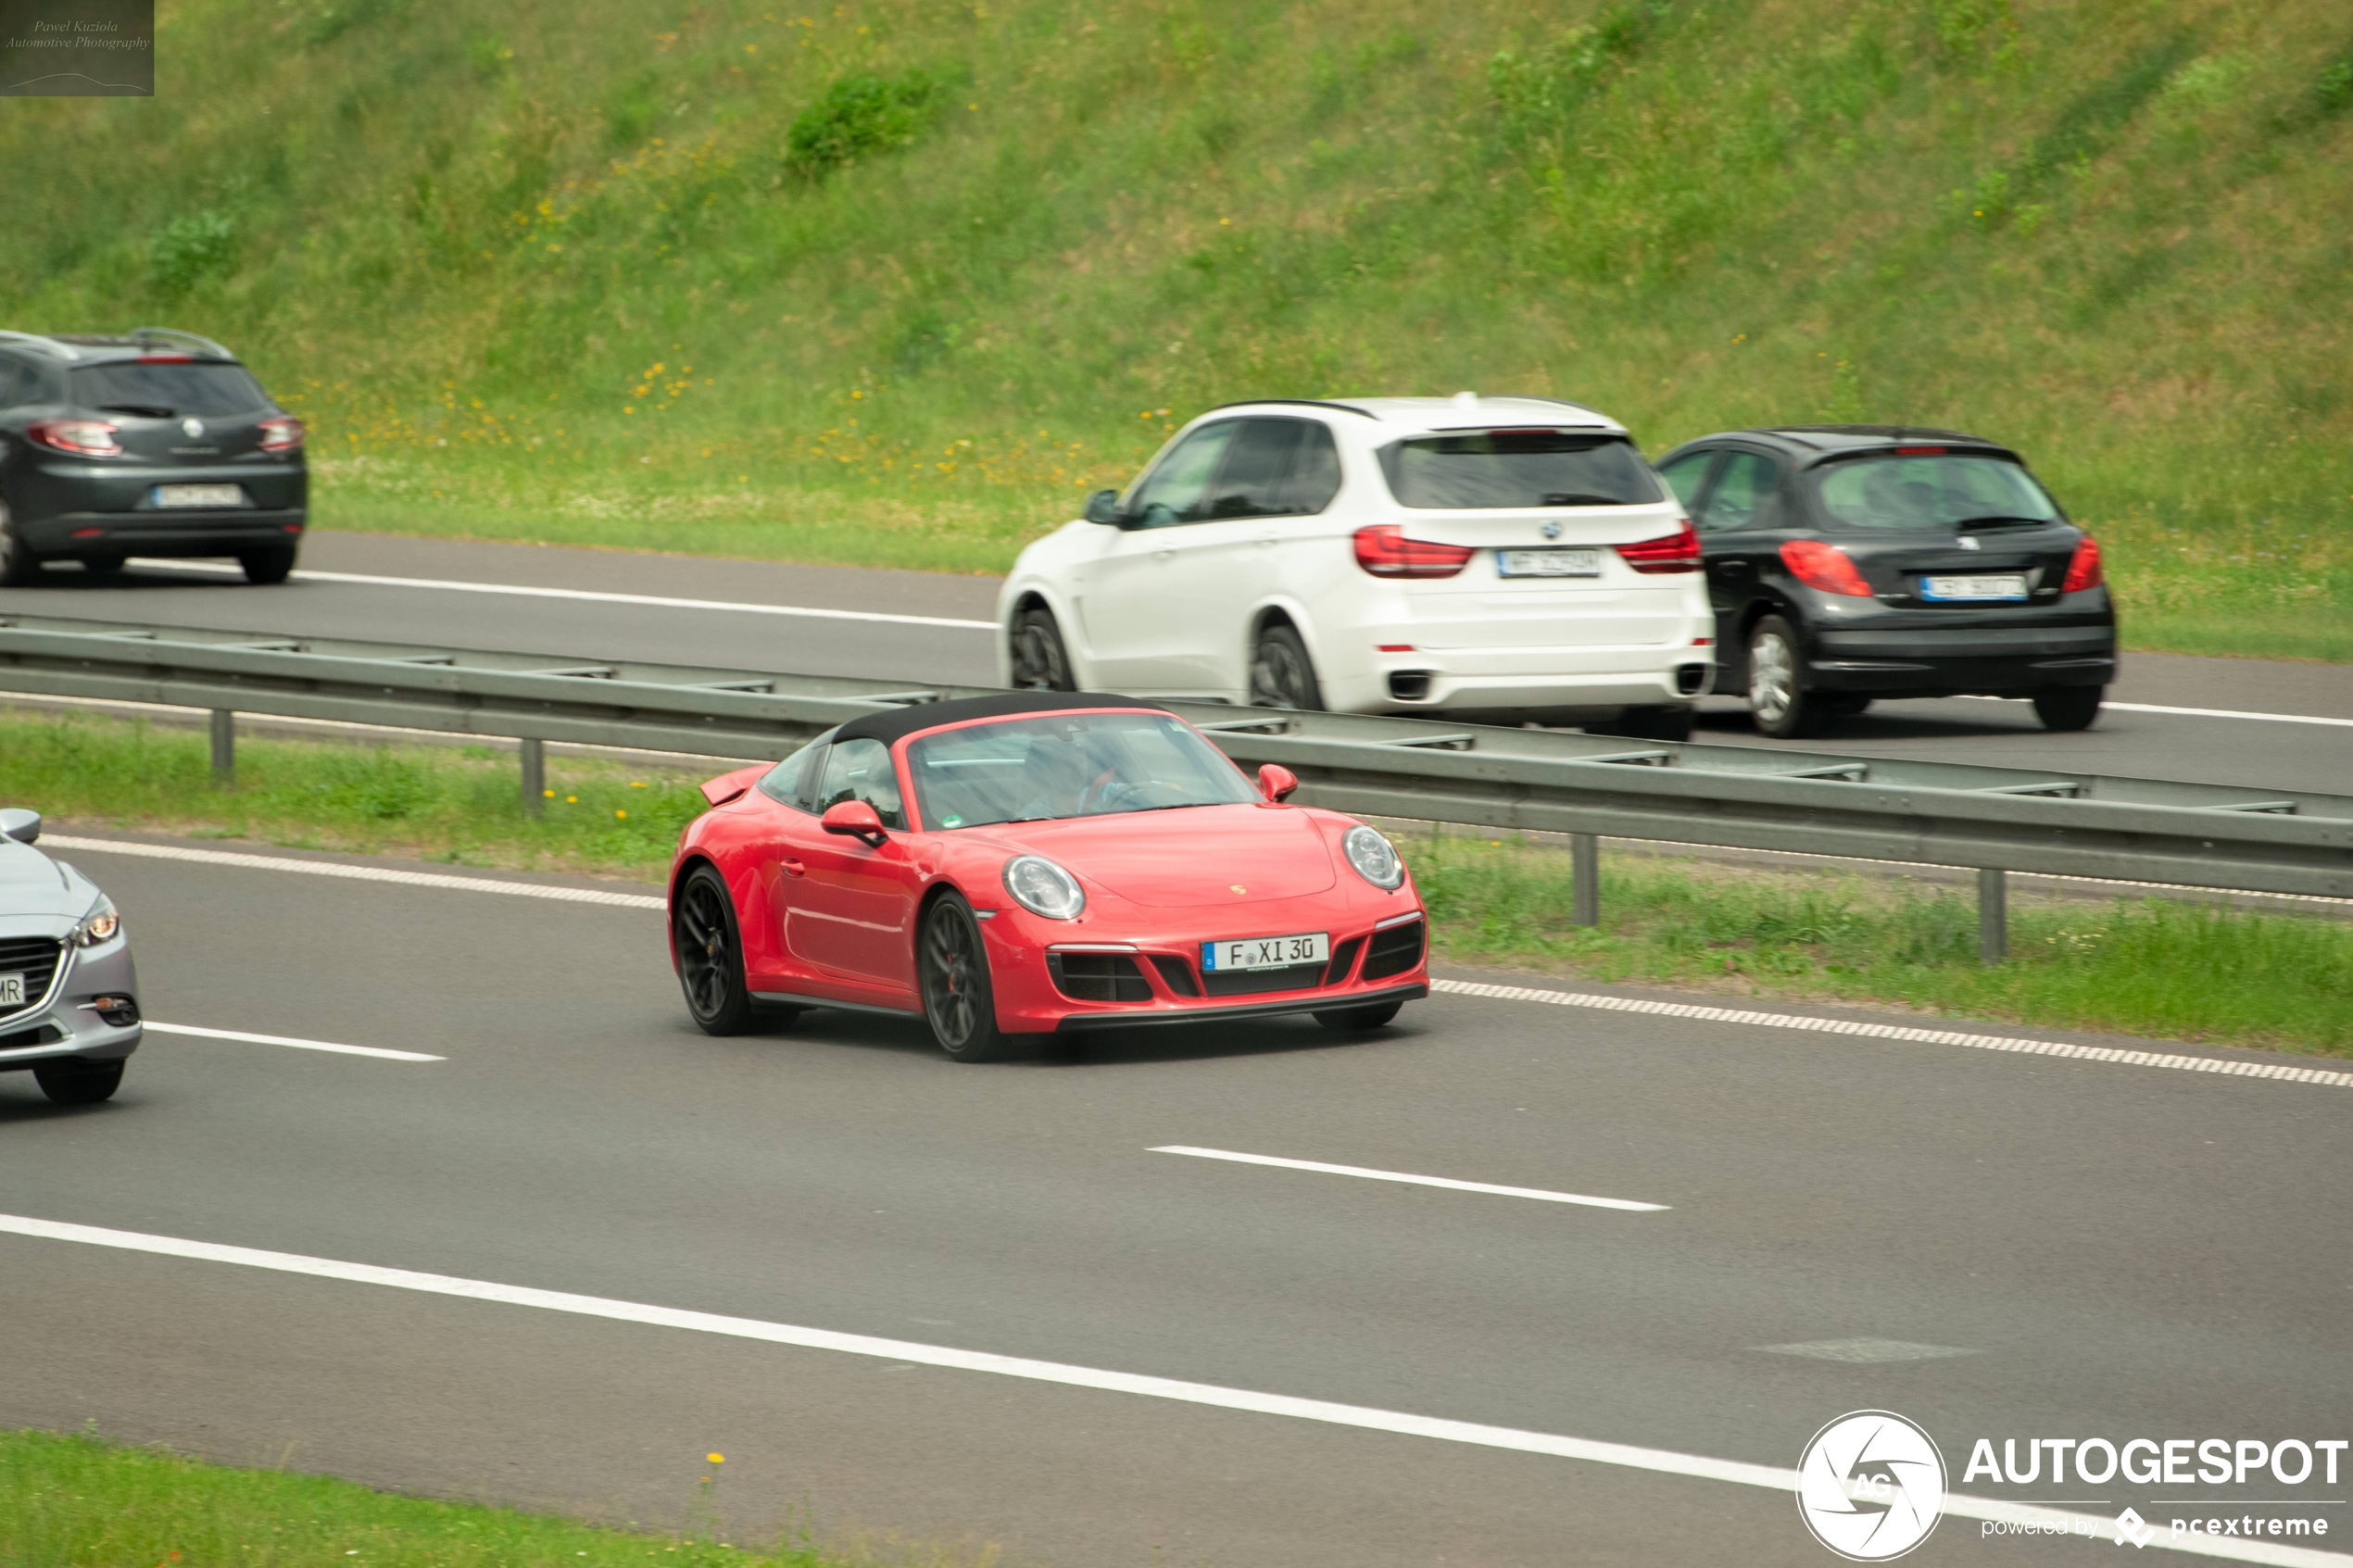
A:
353,873
654,600
1696,1466
1447,1182
2184,712
286,1040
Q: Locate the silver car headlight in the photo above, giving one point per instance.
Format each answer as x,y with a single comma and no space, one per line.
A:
1044,888
1375,857
100,925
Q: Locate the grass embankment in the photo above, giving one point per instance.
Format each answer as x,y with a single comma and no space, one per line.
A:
893,281
79,1501
2141,968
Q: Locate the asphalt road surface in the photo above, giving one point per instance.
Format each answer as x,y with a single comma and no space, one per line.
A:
2103,1248
919,626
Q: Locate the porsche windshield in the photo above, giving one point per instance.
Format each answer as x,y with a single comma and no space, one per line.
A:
1068,765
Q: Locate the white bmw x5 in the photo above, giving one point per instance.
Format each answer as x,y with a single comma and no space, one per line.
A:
1499,560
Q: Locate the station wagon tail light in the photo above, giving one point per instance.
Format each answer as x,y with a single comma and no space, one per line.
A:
84,438
2083,568
282,432
1825,567
1678,551
1383,550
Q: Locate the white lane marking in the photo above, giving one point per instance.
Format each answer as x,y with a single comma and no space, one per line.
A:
1412,1181
191,1029
654,600
2175,1059
1665,1461
2185,713
353,873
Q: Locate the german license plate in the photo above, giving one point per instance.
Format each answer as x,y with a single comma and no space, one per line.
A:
200,494
1989,586
1548,563
1265,952
11,990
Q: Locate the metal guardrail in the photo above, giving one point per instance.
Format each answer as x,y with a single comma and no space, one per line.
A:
1995,820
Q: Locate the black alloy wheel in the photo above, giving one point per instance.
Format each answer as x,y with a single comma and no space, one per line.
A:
1040,663
273,563
2068,707
20,568
953,966
1281,675
1779,703
79,1082
1355,1020
711,954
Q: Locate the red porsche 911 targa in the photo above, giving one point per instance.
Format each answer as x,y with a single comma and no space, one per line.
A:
1032,863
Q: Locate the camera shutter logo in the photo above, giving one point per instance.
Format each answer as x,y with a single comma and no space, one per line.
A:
1870,1485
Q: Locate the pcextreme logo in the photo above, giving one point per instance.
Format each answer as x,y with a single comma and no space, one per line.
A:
1870,1485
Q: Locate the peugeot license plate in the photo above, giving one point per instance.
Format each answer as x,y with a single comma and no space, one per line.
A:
1265,952
11,990
1548,563
200,494
1989,586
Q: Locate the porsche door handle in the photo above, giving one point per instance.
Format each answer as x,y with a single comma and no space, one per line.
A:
794,868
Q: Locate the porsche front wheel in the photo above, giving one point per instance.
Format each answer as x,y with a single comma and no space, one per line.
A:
953,966
711,954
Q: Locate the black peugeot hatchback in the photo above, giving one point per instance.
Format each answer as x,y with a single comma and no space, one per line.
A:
1848,563
155,443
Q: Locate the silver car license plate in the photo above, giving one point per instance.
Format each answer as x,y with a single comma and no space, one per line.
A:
200,496
1265,952
1985,585
1548,563
11,990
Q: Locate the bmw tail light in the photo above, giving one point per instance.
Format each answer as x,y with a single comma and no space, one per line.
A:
2083,568
1825,567
1678,551
1383,550
282,432
84,438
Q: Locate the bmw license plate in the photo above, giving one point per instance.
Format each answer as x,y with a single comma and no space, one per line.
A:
2011,585
1265,952
11,990
200,494
1548,563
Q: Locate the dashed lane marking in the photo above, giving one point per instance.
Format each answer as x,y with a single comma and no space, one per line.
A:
239,1035
1447,1182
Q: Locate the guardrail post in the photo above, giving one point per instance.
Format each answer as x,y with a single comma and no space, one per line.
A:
224,748
1992,915
1585,879
535,774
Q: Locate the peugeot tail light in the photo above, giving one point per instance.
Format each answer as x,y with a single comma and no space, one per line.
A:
2083,567
282,432
1383,550
84,438
1825,567
1669,552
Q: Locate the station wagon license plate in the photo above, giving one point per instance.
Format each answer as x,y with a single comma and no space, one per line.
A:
1265,952
11,990
200,494
1548,563
2011,585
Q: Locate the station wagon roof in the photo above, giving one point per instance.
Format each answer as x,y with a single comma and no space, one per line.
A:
99,348
1462,411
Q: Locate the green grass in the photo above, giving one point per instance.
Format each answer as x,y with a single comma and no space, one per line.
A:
895,281
2145,967
81,1500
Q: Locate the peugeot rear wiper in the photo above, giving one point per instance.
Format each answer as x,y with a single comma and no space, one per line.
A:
145,410
1997,519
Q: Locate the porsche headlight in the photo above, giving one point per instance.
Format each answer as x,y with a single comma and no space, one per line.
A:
99,926
1044,888
1375,857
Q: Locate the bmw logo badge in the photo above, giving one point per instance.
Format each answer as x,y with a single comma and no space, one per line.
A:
1551,530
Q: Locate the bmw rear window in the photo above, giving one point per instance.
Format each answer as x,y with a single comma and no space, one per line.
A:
169,391
1931,490
1517,467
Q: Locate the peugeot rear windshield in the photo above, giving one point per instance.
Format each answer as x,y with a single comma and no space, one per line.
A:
165,391
1517,467
1931,490
1076,765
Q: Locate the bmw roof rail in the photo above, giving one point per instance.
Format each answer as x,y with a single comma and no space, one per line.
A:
145,335
47,344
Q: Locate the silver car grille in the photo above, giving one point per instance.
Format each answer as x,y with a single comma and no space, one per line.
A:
37,959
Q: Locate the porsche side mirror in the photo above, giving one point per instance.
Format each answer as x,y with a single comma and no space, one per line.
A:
1276,782
19,825
1104,506
853,818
